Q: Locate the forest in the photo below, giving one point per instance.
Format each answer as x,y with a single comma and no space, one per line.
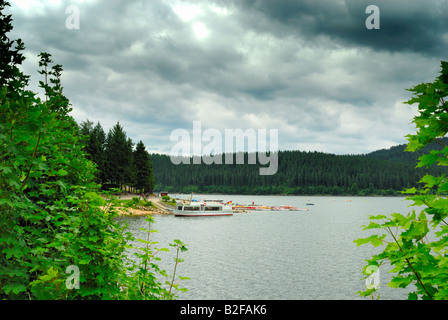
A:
383,172
120,163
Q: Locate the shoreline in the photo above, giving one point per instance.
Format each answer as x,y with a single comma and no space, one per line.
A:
161,207
296,195
139,212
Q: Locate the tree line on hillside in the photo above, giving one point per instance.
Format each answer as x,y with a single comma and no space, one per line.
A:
120,163
398,153
306,173
123,164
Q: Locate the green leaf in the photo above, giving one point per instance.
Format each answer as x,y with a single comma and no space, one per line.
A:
147,242
62,173
410,191
378,217
417,230
14,251
6,170
400,282
372,225
412,296
15,288
85,261
375,240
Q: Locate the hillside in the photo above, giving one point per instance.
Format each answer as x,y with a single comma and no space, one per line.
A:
398,153
384,172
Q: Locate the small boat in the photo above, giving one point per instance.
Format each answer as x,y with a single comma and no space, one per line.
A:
289,208
202,209
268,208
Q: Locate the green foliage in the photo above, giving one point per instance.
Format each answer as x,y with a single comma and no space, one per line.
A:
94,139
144,178
135,202
51,214
119,156
169,200
147,203
416,244
119,163
50,217
143,281
180,247
49,207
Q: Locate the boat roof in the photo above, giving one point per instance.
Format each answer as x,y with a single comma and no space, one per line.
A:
200,204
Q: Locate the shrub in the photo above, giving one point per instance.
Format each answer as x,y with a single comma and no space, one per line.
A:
52,219
416,244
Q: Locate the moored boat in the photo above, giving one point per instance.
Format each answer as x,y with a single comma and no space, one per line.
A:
289,208
202,209
268,208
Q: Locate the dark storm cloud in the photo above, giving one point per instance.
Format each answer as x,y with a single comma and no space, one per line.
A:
309,68
417,26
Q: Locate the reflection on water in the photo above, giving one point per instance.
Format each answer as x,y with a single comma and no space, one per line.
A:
276,255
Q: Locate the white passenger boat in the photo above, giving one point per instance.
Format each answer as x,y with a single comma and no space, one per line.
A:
201,209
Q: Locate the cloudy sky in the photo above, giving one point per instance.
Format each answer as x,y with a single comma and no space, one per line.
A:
308,68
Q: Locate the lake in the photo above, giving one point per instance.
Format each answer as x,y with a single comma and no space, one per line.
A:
276,255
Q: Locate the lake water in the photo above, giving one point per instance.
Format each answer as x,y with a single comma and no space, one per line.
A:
282,255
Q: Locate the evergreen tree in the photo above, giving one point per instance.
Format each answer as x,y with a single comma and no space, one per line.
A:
94,139
118,155
118,164
144,181
98,149
85,128
11,57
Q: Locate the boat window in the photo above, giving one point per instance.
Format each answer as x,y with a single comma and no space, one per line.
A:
191,208
210,208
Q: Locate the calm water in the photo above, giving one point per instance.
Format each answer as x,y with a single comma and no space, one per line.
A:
276,255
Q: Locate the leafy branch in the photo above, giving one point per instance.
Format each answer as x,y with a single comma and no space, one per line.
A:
417,260
142,280
180,247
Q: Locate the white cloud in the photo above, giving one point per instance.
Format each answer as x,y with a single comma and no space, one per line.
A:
200,30
29,7
187,12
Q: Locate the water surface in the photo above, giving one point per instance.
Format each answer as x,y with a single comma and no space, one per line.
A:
276,255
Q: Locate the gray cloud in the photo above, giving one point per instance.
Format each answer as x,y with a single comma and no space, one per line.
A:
308,68
417,26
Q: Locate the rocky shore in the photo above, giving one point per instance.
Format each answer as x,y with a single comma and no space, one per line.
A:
161,207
